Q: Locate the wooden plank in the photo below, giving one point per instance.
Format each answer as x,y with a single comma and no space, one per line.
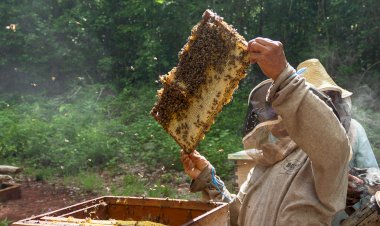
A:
159,202
4,169
97,211
10,191
66,210
242,169
218,216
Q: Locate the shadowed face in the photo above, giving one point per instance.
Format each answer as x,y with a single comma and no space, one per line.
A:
342,106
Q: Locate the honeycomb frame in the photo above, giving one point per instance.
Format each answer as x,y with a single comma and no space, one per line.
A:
211,65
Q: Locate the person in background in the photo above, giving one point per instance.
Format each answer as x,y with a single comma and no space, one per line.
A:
299,177
362,154
363,159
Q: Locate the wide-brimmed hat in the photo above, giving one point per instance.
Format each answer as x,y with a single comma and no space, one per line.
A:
317,76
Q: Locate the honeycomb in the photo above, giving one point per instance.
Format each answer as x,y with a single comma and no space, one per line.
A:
211,65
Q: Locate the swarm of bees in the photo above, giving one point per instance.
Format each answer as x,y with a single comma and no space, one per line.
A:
211,65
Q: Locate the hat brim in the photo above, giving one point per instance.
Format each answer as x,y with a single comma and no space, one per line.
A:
316,75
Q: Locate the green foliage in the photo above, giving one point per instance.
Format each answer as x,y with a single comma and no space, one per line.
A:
49,41
138,40
91,182
5,222
160,191
132,186
85,181
86,129
40,174
61,133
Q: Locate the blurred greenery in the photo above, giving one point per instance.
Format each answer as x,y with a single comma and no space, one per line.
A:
77,78
5,222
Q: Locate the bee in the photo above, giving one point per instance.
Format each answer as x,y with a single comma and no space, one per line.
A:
11,27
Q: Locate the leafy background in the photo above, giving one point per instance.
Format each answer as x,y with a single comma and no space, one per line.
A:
78,80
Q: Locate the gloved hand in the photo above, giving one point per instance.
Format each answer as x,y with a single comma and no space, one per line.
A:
354,184
193,163
269,55
354,190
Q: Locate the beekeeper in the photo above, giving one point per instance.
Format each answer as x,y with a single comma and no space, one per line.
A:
362,153
298,143
363,156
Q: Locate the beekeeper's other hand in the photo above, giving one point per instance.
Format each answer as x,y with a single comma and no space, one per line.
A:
354,190
354,184
193,163
269,55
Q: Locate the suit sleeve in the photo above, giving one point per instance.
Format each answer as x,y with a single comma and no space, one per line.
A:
209,192
316,130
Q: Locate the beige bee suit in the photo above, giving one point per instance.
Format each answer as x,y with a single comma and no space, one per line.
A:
309,184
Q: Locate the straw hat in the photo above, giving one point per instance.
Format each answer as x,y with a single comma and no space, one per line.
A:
317,76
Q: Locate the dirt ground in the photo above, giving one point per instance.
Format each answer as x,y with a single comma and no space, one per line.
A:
37,198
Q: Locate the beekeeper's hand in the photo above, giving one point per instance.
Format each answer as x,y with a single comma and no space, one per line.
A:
354,190
269,55
354,184
193,163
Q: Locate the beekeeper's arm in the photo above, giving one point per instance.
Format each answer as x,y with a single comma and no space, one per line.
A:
205,180
309,122
272,61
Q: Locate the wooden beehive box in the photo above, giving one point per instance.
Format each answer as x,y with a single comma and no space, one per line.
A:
9,191
243,164
165,211
367,215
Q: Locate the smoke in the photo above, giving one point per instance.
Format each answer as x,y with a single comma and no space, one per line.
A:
370,177
366,110
365,97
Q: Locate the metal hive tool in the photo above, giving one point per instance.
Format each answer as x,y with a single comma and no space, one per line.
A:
211,65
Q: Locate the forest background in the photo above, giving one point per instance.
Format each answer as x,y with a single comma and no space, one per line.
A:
78,79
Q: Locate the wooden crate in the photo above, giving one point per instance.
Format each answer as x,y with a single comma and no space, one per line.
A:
243,164
165,211
9,191
368,215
